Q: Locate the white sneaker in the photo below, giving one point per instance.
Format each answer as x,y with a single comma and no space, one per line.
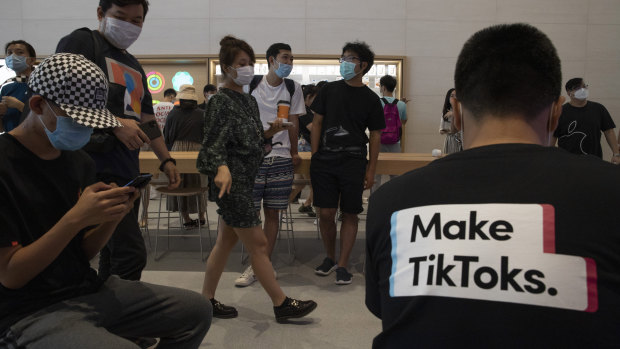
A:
246,279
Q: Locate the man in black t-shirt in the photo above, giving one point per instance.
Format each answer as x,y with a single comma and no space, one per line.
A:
343,111
509,243
581,124
120,24
53,220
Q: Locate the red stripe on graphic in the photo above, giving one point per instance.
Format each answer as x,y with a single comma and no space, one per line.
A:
548,228
592,288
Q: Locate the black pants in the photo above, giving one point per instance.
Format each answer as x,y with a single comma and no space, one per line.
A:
125,253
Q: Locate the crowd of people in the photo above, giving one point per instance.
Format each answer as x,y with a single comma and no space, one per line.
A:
520,244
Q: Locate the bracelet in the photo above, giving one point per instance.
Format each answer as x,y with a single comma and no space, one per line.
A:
163,163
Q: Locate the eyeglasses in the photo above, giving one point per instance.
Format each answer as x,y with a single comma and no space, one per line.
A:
347,59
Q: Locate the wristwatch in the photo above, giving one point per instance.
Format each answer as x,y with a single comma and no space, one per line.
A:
163,163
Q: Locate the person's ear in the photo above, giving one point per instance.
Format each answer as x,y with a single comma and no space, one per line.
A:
456,114
363,66
30,61
100,13
556,111
36,103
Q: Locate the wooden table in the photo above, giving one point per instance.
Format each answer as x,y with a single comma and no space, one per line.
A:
389,163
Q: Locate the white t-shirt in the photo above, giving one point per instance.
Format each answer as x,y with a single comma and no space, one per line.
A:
267,97
161,111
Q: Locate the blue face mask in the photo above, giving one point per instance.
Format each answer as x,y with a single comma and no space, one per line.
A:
69,135
283,70
16,63
347,70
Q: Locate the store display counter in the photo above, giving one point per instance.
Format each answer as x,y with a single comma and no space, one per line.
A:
389,163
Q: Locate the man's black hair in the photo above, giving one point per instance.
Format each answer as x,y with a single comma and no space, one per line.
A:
274,50
389,82
363,52
106,4
573,84
508,69
31,51
170,91
209,88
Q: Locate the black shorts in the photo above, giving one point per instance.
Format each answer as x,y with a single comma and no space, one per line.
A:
338,177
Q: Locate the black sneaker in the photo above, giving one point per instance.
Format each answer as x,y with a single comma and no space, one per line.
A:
326,267
343,277
307,210
222,311
293,308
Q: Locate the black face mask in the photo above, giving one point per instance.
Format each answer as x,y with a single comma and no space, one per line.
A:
188,104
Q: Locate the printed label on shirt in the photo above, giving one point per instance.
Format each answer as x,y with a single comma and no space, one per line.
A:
493,252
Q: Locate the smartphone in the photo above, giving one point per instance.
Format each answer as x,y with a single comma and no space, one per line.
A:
151,129
139,182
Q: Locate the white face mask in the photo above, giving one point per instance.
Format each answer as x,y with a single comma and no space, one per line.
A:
244,75
119,33
582,93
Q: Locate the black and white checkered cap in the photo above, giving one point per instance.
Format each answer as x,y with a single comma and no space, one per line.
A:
78,86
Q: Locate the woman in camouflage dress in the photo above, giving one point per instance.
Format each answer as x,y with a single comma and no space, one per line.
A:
231,153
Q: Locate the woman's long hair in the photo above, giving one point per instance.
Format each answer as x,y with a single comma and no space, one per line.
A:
446,104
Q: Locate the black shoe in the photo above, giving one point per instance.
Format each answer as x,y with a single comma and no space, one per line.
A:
293,308
222,311
343,277
308,210
326,267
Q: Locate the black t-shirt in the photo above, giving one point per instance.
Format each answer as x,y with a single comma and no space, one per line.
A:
35,194
128,98
579,128
304,121
347,112
508,245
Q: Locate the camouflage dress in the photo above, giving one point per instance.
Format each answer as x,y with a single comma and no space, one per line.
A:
233,136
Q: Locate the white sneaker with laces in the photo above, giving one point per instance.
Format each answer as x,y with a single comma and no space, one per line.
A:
247,278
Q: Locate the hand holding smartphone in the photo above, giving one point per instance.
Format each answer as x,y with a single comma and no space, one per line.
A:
139,182
151,129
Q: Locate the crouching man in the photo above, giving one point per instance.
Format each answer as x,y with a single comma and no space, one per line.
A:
53,220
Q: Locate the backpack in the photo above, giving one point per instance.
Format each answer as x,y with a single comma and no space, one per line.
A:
290,85
393,127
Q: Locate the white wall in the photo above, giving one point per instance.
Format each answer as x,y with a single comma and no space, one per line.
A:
429,33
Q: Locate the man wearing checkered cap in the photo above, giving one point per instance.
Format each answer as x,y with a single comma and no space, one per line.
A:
116,155
53,220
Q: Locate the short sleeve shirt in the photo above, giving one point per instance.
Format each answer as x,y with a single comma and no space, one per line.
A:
579,128
267,98
347,112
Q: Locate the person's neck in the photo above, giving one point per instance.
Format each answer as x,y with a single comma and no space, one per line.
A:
273,79
504,130
230,84
388,94
579,103
25,73
356,81
31,135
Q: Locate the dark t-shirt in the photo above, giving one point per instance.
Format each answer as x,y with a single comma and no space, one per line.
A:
35,194
304,121
184,125
128,87
347,112
14,87
579,128
493,247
